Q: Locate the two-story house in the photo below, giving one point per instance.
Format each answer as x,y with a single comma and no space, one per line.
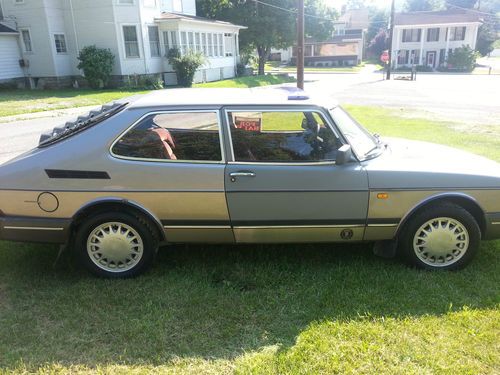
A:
426,38
138,32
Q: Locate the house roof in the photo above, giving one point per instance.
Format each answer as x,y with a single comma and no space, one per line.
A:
7,29
177,16
436,17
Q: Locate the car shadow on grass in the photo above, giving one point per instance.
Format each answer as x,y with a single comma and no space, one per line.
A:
213,302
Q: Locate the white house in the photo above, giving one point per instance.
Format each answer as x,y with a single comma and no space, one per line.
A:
426,38
138,32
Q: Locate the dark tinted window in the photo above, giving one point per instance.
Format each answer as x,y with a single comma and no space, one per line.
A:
282,137
173,136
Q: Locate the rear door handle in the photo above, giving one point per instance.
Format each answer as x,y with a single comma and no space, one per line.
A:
233,175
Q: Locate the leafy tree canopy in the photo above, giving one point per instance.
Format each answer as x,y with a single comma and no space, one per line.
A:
269,27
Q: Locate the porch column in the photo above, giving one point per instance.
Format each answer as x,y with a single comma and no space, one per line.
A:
395,53
420,56
447,44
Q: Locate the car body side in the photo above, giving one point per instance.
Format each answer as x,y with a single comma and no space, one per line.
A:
191,201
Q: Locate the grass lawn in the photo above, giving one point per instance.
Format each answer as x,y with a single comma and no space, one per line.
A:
14,102
295,309
252,81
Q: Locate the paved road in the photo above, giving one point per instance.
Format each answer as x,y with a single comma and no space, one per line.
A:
463,99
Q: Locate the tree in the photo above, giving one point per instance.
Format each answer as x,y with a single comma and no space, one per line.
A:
268,26
185,65
97,65
469,4
422,5
462,58
379,43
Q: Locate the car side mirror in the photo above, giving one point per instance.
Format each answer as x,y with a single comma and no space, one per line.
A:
344,155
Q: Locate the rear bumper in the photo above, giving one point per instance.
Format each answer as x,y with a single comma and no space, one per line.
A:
492,226
34,229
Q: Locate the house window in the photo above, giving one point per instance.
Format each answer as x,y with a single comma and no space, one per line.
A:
197,42
154,41
173,136
60,41
433,35
18,1
415,56
204,43
411,35
191,41
403,57
221,46
216,45
1,12
457,33
210,45
177,6
26,37
282,137
183,42
126,2
166,43
131,41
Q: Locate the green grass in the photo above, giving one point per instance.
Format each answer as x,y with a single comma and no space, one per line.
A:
496,44
15,102
251,81
295,309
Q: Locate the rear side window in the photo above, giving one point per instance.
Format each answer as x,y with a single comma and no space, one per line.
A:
189,136
282,137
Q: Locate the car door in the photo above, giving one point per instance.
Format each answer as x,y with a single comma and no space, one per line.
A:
172,163
282,183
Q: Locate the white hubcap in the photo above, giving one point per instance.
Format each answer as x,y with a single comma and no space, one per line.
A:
115,247
441,241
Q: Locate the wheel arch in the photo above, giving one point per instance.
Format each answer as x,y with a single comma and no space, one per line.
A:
114,204
460,199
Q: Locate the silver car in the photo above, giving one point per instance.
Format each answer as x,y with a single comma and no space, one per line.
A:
243,166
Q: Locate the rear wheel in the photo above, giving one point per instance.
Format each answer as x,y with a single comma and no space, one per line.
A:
444,236
116,245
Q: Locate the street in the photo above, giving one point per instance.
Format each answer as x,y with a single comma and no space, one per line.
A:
473,100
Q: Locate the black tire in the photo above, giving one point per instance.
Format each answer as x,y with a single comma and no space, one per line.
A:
461,216
143,233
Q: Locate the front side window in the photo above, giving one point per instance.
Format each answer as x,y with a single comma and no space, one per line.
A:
154,41
26,36
282,137
131,41
60,42
178,136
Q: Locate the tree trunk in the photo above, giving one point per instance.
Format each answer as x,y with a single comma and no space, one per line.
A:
263,53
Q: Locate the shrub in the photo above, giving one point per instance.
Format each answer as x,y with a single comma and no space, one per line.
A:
462,59
185,66
97,64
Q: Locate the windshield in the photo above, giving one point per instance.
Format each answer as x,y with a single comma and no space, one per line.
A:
362,142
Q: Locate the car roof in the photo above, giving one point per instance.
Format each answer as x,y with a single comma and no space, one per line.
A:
230,96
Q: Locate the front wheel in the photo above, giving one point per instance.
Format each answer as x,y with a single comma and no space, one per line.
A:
444,236
116,245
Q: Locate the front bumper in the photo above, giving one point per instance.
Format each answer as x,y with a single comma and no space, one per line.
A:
492,226
34,229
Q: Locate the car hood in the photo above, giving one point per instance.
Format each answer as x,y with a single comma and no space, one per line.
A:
415,164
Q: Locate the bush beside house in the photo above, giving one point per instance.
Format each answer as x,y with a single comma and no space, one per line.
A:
97,65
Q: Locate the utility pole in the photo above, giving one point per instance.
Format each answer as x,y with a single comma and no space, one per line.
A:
300,45
391,34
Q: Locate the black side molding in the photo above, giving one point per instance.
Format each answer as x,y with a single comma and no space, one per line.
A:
83,175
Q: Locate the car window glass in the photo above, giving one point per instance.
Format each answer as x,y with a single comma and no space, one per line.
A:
173,136
292,136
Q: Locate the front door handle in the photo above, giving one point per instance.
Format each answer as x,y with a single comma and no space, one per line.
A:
233,175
